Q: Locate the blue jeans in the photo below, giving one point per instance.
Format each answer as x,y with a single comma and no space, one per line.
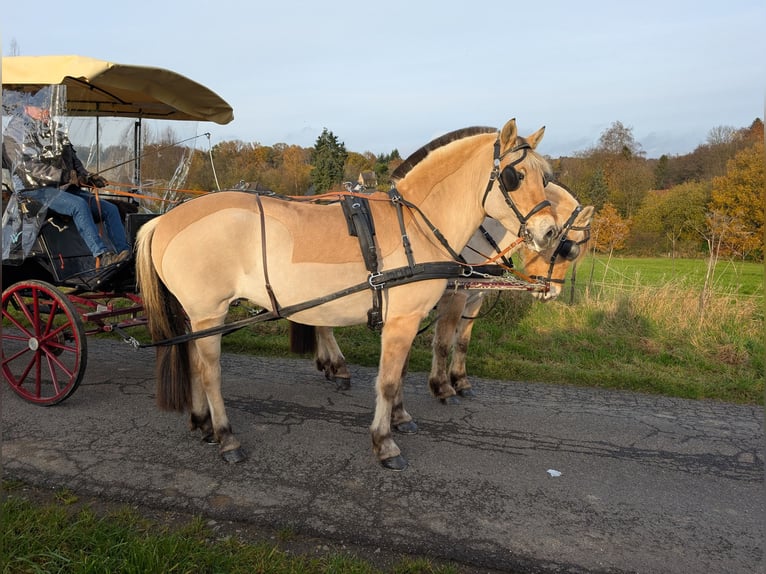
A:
82,207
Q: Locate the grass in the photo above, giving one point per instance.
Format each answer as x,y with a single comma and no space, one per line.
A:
635,325
67,537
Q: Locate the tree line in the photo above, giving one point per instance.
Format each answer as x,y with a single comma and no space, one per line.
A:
709,200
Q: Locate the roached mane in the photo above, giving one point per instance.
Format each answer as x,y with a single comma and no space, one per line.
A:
418,156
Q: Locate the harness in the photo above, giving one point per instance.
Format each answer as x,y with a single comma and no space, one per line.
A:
361,225
565,245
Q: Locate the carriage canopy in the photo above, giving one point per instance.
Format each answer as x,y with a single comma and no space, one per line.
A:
101,88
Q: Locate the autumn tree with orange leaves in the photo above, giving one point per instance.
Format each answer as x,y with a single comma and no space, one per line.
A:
610,230
737,204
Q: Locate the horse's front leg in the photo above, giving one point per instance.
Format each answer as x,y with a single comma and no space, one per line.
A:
209,412
448,313
330,359
458,374
396,341
401,420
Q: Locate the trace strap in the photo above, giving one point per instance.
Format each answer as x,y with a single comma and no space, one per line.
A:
398,276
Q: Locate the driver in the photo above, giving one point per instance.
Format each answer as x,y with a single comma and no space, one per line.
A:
46,168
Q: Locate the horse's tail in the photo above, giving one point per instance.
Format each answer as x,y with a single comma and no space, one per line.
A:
166,319
302,338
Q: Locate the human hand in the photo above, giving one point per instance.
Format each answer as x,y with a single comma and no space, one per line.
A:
96,180
74,179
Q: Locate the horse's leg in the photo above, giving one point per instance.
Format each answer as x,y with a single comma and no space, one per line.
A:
330,359
401,420
206,375
396,341
200,413
448,312
458,375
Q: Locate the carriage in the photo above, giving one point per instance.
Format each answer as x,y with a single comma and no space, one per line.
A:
54,297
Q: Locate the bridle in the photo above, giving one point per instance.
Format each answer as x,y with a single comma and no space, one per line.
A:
566,247
509,180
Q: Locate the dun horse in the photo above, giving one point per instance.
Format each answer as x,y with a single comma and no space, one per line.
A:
457,310
299,261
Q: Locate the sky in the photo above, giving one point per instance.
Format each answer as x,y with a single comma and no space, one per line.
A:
395,75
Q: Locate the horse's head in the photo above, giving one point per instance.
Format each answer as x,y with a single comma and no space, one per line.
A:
551,265
516,195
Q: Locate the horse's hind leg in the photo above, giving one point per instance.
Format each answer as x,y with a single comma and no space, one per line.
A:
206,369
330,359
200,414
458,374
448,312
396,341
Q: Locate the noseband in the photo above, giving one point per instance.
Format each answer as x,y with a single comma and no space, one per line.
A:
510,180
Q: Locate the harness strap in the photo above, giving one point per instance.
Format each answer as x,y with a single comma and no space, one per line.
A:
269,290
398,276
361,225
493,244
398,200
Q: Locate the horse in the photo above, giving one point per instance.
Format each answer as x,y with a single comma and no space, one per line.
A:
457,309
297,260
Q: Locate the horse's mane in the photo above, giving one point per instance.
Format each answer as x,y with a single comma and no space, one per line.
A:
418,156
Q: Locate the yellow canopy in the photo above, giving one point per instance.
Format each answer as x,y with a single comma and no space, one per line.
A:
99,88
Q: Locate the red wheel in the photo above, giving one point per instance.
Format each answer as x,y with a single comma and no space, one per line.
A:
44,350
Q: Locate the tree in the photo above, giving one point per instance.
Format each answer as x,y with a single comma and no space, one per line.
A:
356,163
296,170
661,172
737,199
610,230
596,190
618,140
328,160
674,216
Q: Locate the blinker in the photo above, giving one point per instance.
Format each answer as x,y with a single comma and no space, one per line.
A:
510,179
568,249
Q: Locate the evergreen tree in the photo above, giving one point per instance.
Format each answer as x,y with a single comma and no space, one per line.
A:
328,159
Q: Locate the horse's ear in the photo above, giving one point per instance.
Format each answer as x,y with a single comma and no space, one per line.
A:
508,135
585,216
535,138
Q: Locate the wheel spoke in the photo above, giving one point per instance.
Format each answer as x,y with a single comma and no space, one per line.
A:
20,380
43,342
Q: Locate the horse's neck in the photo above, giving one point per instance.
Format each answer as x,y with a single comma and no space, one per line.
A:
479,243
448,186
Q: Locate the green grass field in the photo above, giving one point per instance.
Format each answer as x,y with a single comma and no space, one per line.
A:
739,278
635,324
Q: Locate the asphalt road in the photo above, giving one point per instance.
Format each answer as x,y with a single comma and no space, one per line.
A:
647,484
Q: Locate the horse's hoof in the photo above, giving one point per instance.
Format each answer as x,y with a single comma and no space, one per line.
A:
467,393
342,383
209,438
234,455
410,427
397,463
451,400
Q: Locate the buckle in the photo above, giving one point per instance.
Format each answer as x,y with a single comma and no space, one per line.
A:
371,280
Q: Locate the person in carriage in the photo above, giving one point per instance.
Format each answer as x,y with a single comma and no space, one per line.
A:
45,168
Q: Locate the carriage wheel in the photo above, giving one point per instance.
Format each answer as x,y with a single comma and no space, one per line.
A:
44,350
